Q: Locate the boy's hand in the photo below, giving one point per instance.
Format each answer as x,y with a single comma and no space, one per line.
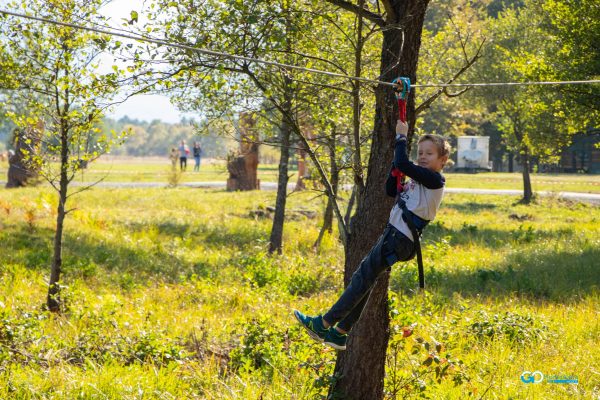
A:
401,128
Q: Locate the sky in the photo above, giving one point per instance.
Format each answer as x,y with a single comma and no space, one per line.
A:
142,107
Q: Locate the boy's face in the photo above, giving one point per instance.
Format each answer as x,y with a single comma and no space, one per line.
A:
428,156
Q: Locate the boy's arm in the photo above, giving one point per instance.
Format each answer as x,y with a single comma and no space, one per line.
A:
425,176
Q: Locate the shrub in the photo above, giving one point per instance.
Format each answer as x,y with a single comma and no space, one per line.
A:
260,270
519,329
261,344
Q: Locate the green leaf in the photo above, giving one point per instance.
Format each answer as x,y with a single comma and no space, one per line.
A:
134,17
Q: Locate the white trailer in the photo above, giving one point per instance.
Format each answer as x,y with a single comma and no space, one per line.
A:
473,153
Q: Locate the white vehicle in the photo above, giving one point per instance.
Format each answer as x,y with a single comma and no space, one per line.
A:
473,153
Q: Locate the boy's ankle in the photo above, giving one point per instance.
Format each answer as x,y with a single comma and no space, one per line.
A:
325,323
340,330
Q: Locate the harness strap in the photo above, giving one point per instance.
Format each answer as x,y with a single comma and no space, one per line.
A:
407,214
399,177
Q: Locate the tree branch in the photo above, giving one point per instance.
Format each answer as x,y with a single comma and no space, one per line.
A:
309,150
389,10
427,103
375,18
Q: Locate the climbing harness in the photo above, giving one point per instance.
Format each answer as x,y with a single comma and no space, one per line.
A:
414,222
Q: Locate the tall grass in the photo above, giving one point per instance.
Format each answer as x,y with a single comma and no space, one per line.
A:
170,294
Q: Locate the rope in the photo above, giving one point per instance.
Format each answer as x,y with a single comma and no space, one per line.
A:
282,65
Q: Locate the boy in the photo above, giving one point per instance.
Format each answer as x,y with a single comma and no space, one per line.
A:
419,200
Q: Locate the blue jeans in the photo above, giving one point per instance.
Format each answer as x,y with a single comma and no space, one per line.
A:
391,247
197,166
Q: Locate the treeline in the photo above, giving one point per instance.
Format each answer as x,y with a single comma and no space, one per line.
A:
156,138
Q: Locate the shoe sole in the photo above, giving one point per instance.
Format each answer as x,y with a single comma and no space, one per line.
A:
312,335
335,346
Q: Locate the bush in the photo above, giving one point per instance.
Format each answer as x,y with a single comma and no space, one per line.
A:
260,270
519,329
261,344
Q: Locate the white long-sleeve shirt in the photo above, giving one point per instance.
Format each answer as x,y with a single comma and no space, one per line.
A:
422,193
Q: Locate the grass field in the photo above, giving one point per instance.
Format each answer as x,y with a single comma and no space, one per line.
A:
171,296
155,169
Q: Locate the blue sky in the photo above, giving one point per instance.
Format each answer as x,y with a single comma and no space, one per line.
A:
143,107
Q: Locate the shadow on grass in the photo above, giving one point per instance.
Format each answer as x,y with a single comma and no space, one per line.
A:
215,235
22,245
546,274
492,238
127,265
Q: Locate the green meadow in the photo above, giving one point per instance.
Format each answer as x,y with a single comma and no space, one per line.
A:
156,169
170,295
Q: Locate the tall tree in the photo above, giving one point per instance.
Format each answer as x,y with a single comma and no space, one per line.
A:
361,368
53,71
533,119
575,26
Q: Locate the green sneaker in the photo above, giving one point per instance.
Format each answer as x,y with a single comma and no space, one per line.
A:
335,339
313,325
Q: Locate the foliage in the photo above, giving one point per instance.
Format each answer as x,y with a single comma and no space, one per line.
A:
453,34
575,26
54,80
57,97
155,138
515,328
261,343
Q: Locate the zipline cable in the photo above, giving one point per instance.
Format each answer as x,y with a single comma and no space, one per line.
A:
282,65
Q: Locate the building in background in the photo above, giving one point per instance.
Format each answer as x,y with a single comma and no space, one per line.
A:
583,155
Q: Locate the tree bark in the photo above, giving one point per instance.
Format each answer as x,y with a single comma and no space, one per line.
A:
361,367
527,191
53,300
335,182
276,239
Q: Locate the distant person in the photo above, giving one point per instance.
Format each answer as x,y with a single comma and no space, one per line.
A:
184,151
197,155
173,155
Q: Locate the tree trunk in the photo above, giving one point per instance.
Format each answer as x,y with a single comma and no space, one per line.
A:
276,239
356,103
335,181
53,301
361,367
511,167
527,191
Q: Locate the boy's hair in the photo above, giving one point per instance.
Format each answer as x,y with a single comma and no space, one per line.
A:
442,145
